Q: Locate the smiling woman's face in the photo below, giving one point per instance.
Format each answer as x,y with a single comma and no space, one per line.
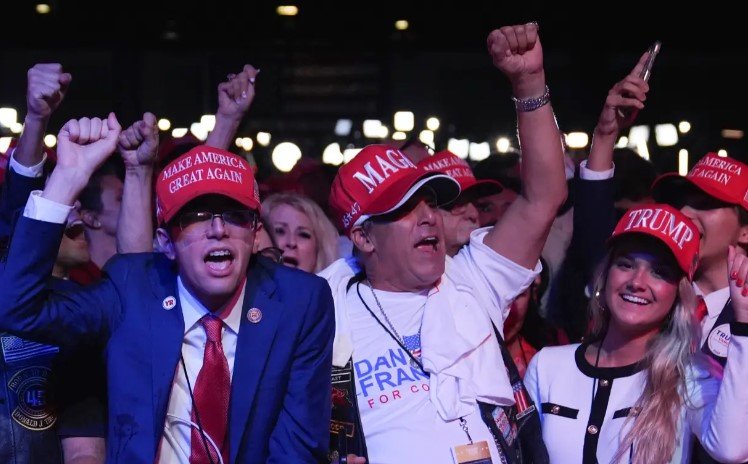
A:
641,286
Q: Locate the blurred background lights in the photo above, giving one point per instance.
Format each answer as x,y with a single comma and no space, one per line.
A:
285,155
404,121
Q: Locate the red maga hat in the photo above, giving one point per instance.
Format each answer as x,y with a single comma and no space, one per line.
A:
666,224
448,163
725,179
380,179
202,171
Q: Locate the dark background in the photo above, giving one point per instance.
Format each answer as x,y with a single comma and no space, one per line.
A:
344,59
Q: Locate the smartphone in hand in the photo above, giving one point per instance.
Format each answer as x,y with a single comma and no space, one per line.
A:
653,51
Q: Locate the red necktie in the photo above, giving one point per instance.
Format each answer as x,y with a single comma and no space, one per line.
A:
701,309
211,397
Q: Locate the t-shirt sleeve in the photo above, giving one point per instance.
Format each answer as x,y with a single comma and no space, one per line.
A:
496,280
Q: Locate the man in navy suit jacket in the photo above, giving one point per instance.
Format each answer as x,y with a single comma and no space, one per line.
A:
150,310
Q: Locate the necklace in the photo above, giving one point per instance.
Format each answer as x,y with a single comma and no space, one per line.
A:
415,353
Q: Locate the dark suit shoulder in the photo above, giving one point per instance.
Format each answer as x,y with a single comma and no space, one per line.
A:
122,265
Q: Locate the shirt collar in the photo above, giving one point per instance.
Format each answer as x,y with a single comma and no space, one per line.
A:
193,310
715,300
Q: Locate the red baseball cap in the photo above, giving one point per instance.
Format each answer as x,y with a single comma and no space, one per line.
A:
202,171
725,179
380,179
666,224
457,168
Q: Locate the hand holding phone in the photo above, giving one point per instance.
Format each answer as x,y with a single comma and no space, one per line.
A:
644,74
653,51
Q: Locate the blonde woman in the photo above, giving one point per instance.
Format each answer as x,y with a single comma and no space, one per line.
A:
301,230
635,392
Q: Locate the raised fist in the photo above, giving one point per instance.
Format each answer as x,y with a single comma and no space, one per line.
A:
516,50
47,85
235,95
138,144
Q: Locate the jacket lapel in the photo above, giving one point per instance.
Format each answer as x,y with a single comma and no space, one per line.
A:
166,337
253,347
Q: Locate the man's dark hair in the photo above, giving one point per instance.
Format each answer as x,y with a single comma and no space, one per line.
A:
633,175
90,197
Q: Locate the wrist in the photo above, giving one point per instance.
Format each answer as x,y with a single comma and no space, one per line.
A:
232,118
533,103
35,122
140,171
64,186
529,85
601,131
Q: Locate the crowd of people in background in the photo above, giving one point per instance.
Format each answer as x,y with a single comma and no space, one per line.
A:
158,304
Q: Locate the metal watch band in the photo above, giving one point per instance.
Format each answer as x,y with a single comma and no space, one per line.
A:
531,104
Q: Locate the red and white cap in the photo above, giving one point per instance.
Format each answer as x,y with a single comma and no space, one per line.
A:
202,171
380,179
666,224
448,163
725,179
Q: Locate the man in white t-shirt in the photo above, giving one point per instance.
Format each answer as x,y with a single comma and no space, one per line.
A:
416,356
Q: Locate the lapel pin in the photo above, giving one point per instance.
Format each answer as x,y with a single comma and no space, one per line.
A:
169,303
254,315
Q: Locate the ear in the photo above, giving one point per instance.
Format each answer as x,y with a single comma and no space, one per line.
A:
743,236
361,240
165,243
90,219
256,244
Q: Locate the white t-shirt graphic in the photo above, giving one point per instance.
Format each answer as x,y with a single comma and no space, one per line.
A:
392,395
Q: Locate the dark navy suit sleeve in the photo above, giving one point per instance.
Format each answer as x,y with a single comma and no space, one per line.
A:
13,196
302,431
30,309
594,221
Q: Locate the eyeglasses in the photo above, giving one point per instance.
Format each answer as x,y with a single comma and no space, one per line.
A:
274,254
244,218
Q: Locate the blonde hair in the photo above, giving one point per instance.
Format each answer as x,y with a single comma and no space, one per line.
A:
322,228
657,411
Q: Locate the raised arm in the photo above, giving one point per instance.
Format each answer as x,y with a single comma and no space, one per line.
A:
26,307
621,108
234,99
521,233
138,145
47,86
45,90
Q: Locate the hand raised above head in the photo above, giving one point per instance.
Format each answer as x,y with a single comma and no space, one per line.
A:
516,50
46,88
236,94
82,146
138,144
625,99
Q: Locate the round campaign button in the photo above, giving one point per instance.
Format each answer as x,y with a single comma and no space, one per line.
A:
169,302
254,315
719,340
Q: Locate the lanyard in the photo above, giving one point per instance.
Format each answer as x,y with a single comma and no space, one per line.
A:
463,422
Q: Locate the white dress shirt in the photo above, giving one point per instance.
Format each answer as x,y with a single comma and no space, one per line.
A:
715,302
175,442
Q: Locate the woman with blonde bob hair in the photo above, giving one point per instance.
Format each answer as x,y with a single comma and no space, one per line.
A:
636,391
301,229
